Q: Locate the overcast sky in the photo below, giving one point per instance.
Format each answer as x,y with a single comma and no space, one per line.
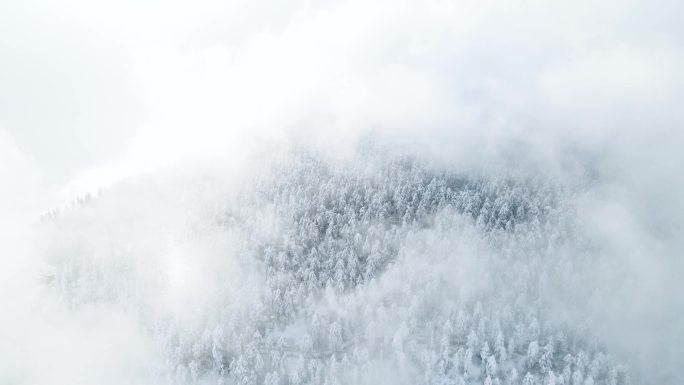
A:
95,92
92,92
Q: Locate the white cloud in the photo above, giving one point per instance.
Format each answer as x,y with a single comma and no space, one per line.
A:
92,93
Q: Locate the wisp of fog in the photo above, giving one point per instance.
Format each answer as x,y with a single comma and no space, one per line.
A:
341,192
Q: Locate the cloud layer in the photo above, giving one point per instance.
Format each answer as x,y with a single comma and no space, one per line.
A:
93,94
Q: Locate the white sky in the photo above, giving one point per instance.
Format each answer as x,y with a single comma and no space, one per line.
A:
92,92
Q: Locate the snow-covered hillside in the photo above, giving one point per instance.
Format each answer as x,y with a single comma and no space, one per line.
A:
384,269
341,192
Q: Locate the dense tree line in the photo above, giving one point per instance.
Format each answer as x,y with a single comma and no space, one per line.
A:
368,273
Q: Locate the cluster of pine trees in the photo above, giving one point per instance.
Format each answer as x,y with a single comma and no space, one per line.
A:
380,271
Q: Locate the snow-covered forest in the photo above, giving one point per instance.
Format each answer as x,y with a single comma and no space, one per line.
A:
377,270
341,192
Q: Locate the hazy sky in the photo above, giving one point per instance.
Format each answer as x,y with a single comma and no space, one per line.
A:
91,92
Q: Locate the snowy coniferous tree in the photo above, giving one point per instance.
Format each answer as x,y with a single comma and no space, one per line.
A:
551,378
596,364
484,352
577,377
294,378
468,369
546,358
582,360
491,366
612,377
500,348
532,354
511,345
335,337
398,339
457,360
513,376
472,341
529,379
272,378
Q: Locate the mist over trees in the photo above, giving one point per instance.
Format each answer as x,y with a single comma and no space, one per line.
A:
458,192
377,270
